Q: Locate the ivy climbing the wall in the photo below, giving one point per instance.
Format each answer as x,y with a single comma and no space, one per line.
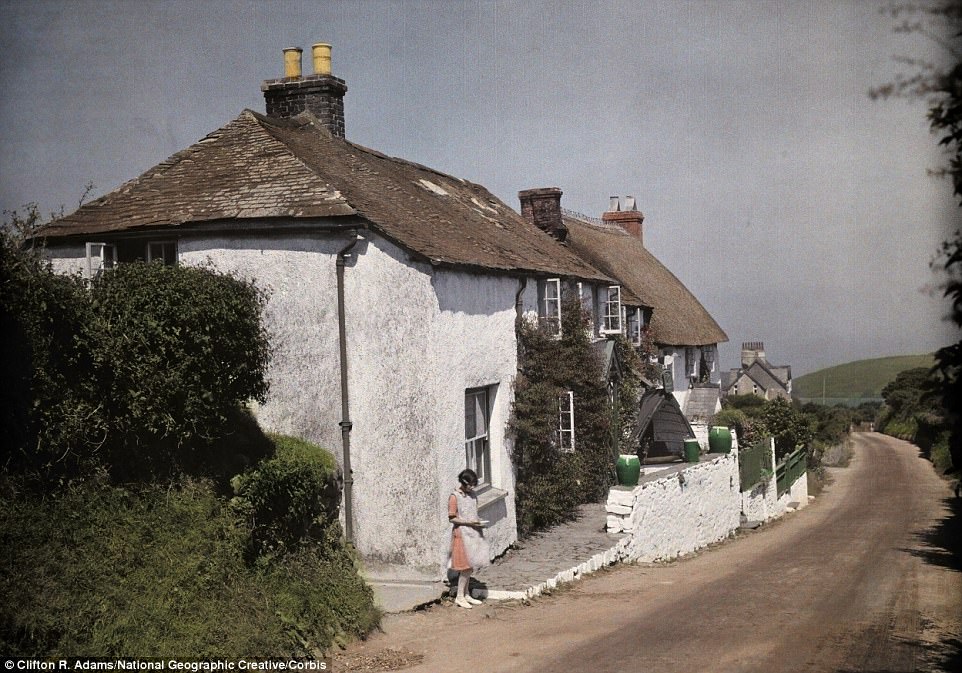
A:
550,481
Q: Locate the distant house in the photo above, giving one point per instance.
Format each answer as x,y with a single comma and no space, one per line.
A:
394,295
652,297
757,376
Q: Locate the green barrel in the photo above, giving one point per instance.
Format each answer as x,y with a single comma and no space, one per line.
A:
692,451
720,439
628,468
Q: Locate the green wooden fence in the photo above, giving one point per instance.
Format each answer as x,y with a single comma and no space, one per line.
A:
755,464
791,469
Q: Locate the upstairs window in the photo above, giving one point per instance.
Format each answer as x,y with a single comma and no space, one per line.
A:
162,251
549,305
633,320
587,297
611,316
691,368
566,422
101,257
477,445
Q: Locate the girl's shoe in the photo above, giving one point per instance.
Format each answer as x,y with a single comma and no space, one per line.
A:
462,603
472,600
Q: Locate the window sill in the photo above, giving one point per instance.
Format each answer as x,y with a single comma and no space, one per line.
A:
489,496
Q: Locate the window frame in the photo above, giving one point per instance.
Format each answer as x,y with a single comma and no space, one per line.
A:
477,447
106,263
163,257
611,311
566,422
551,321
634,324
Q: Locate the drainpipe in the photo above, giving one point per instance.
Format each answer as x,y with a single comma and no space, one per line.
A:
518,303
345,423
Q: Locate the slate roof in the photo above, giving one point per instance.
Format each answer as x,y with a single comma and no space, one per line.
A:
678,318
701,403
762,374
258,167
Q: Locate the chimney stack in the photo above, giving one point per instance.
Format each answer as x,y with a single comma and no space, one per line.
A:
542,208
752,351
320,92
630,219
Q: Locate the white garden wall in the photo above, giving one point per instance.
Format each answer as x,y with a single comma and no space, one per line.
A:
678,510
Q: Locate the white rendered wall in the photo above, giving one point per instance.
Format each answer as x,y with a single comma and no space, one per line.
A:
419,337
678,510
298,274
67,259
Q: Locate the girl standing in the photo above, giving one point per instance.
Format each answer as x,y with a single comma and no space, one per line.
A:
469,549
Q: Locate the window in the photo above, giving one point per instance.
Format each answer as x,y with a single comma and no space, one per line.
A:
633,319
477,445
690,363
587,296
611,321
566,422
101,257
549,304
162,251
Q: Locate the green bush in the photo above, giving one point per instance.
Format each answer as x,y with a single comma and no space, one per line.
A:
179,349
143,373
748,401
550,483
285,496
161,570
52,422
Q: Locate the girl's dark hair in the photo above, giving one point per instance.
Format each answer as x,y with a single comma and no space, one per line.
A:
468,477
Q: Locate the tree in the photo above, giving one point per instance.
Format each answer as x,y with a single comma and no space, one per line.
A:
941,87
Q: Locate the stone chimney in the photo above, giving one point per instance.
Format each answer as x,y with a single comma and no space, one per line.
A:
752,351
542,207
630,219
321,93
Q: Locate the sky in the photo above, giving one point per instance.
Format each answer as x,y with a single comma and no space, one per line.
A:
799,211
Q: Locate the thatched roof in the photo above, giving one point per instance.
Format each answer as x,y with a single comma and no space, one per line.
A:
256,168
677,317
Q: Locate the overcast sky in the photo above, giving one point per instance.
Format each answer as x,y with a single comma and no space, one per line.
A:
796,209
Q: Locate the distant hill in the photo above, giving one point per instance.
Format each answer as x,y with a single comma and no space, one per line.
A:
859,379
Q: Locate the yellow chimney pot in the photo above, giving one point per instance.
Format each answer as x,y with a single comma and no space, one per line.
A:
322,58
292,62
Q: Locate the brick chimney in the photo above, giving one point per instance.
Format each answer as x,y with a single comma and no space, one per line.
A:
630,219
542,207
321,93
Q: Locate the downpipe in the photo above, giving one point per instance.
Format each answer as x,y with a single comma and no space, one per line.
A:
345,422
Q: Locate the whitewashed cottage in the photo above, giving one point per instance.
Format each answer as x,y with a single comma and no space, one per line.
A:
684,334
394,294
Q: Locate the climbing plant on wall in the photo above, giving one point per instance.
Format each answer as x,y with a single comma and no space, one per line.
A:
552,482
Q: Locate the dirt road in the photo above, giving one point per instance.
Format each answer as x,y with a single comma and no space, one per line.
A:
858,581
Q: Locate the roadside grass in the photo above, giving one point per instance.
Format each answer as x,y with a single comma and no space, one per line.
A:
160,570
835,455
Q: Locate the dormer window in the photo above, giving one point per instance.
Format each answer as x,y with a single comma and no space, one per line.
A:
101,257
611,310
